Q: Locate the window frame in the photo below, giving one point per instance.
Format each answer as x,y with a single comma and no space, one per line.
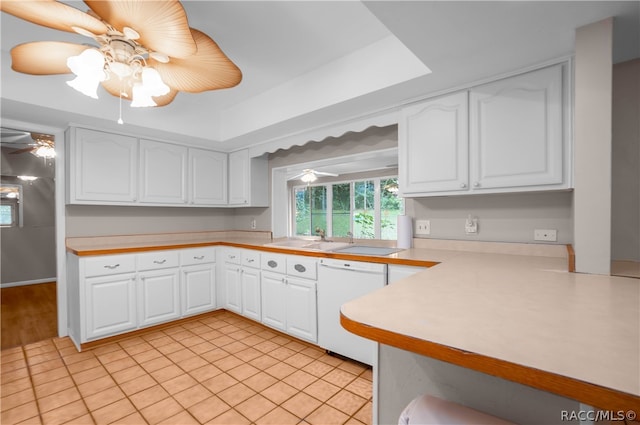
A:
377,204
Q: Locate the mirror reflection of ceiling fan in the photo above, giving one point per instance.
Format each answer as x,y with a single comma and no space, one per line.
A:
146,52
308,175
39,144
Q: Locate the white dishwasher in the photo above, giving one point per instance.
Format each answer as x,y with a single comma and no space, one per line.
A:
340,281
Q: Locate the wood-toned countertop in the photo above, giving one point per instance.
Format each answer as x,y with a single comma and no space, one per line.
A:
523,318
109,245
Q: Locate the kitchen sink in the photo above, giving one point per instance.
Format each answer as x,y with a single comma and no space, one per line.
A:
366,250
315,245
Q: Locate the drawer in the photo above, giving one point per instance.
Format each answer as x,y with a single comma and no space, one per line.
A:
231,255
192,256
158,260
251,259
109,264
276,263
302,267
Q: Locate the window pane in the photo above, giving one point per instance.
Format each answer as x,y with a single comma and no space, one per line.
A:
303,211
6,215
390,207
341,215
363,214
318,208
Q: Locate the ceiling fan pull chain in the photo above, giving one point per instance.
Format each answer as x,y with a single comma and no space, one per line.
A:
120,116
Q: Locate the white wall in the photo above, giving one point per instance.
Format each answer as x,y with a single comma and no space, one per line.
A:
509,217
88,220
625,190
592,160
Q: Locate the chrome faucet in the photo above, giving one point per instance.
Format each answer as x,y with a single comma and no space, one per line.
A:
320,232
350,235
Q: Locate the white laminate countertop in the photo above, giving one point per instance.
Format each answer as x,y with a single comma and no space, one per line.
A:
526,310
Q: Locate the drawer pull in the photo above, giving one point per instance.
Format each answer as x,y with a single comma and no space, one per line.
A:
199,257
300,268
232,257
272,264
250,260
111,267
159,262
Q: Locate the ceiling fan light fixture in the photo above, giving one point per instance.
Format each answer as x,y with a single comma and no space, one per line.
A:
141,97
88,67
309,177
46,152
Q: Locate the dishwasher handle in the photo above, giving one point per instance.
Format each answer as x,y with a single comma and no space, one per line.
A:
354,266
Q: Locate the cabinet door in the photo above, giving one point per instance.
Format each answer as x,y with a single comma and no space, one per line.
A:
517,131
239,177
251,293
110,305
433,146
163,173
158,296
302,318
208,177
198,289
102,167
274,300
233,288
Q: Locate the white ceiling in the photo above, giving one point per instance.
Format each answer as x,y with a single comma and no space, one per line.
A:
309,63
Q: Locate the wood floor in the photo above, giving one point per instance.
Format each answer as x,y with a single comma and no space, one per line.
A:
28,314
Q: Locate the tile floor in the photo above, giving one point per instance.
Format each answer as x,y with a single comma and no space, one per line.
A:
217,369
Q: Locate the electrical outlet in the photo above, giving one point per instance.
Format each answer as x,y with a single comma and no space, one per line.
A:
471,225
423,227
253,223
549,235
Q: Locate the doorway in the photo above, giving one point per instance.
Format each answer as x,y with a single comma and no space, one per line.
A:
28,267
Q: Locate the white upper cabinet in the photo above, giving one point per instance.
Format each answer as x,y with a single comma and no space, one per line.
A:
163,173
506,136
208,177
248,180
516,131
433,146
102,167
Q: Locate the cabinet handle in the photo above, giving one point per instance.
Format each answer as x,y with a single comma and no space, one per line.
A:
232,257
476,184
272,264
159,262
111,267
250,260
300,268
463,185
199,257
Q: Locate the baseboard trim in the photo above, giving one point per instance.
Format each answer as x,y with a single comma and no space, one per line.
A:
27,282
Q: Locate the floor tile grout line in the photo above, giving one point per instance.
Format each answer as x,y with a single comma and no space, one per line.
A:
240,324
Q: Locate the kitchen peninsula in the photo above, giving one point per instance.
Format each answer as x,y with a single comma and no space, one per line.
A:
512,311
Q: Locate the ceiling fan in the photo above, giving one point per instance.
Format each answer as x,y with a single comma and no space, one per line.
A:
146,52
308,175
39,144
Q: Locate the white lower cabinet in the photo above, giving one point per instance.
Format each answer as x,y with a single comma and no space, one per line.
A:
110,305
250,282
289,302
198,280
158,296
198,289
114,294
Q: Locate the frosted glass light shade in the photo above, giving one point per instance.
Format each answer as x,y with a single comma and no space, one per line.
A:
88,67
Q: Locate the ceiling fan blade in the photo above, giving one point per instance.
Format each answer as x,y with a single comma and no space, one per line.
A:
23,150
44,57
114,86
53,14
208,69
322,173
162,25
296,176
